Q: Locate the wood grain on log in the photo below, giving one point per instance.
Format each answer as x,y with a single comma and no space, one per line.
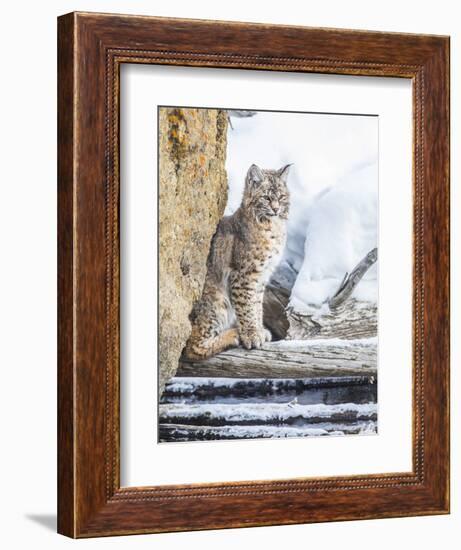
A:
273,360
355,319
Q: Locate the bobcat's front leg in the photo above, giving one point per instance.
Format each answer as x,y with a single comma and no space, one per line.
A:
247,300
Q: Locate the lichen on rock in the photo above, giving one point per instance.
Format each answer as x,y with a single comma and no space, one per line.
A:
192,199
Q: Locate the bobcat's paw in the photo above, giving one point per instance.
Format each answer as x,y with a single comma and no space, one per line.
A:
254,339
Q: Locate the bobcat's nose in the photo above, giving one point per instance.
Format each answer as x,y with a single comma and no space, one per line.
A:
276,209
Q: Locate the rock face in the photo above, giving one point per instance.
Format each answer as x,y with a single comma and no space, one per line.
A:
192,198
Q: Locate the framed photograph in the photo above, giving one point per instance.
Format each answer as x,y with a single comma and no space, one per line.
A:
253,275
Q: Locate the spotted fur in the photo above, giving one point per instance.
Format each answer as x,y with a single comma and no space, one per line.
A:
244,252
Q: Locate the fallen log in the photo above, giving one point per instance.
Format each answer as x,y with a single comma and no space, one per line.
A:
269,414
204,387
290,359
184,432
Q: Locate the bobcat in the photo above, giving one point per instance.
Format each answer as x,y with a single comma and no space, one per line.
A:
244,252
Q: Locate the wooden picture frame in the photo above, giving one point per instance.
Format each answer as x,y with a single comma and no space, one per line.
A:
92,48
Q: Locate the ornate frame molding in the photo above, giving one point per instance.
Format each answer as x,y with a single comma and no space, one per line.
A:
91,49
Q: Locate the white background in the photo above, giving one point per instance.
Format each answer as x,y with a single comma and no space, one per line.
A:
144,461
28,275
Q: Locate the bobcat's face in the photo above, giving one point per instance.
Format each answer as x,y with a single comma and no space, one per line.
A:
272,202
266,193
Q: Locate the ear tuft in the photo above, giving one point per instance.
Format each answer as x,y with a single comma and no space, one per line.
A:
283,172
255,175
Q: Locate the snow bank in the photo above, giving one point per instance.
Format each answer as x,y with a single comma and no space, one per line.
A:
341,228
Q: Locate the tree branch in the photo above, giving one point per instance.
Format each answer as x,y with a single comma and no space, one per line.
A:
351,280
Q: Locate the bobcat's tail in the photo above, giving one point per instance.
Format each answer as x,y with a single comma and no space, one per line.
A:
198,349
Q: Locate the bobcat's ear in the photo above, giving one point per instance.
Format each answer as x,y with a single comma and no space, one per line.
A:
254,175
283,172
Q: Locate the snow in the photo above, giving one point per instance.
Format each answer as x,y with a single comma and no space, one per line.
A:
186,384
340,231
321,343
333,185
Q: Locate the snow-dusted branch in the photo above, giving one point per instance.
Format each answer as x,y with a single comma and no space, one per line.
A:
240,113
351,280
235,113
